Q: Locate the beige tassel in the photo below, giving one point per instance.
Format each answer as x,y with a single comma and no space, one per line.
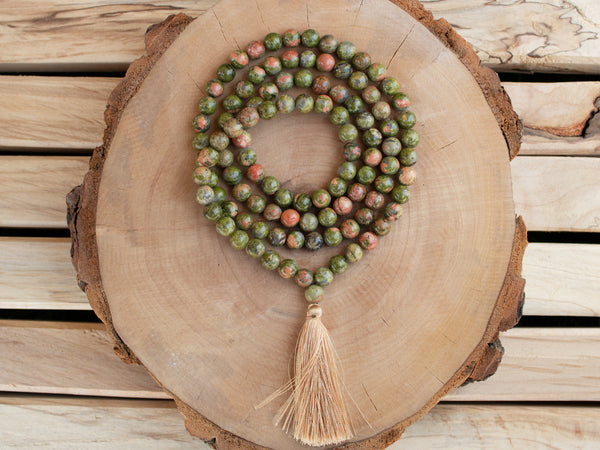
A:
315,413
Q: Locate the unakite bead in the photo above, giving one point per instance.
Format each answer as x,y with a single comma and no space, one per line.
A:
358,81
339,93
200,140
323,276
214,87
381,110
314,241
354,104
256,75
391,146
244,89
201,123
305,103
346,50
337,187
350,228
332,236
401,194
260,230
323,104
272,65
338,264
313,294
238,59
357,192
284,81
224,117
291,38
232,103
267,110
381,227
225,73
406,119
407,176
225,226
233,127
214,180
390,86
325,62
243,140
321,198
347,171
342,70
295,239
302,202
327,217
392,211
328,44
246,157
361,61
376,72
286,104
239,239
409,138
225,158
255,248
347,133
371,95
270,260
213,212
400,101
339,115
389,127
202,175
352,151
354,253
208,157
255,173
219,140
290,59
254,102
408,156
256,204
321,85
303,78
368,240
384,183
364,120
308,59
272,212
220,195
268,91
304,278
372,137
372,157
241,192
273,42
364,216
244,221
287,268
230,209
365,175
283,197
389,165
310,38
375,200
232,175
308,222
277,237
342,206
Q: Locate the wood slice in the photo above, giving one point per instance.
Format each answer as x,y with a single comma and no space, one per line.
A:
416,318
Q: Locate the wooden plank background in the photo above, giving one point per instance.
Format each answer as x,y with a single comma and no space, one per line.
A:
60,60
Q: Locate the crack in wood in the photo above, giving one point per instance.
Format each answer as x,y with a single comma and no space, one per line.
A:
399,46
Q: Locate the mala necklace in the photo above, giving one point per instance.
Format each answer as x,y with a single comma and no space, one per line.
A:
360,203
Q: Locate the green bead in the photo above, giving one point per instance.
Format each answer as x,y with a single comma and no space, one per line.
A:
244,89
291,38
224,117
272,65
339,115
346,50
381,227
366,175
347,171
220,195
392,211
372,137
255,248
347,133
342,70
371,95
204,195
256,204
268,91
354,253
358,81
409,138
400,194
277,237
260,230
389,165
308,59
364,216
328,44
323,104
304,103
338,264
202,175
302,202
230,209
225,73
314,241
303,78
323,276
284,81
295,239
200,141
390,86
244,221
352,151
214,179
290,59
239,239
361,61
270,260
389,127
283,197
313,294
354,104
214,87
287,268
256,75
406,119
321,198
270,185
232,103
254,102
267,110
201,123
333,236
391,146
219,140
310,38
225,158
364,120
232,175
246,157
381,110
273,42
400,101
339,93
337,187
225,226
308,222
327,217
304,278
408,156
272,212
286,104
213,212
384,183
208,157
376,72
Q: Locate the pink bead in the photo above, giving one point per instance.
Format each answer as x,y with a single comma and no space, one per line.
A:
325,62
342,206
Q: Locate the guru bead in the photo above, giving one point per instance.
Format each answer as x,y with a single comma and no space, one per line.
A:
313,294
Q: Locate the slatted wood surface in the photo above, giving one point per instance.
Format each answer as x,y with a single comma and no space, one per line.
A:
62,376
